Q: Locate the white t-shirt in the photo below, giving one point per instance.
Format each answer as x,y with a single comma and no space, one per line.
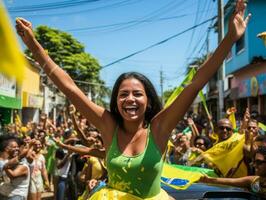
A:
18,186
63,171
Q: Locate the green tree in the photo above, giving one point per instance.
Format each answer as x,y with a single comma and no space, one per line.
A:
70,55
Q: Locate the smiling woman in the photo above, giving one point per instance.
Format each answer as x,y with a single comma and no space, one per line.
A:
134,86
135,131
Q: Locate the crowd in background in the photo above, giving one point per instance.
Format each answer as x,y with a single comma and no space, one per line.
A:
67,156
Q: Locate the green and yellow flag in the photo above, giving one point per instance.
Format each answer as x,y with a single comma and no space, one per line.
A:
262,126
179,89
12,61
181,177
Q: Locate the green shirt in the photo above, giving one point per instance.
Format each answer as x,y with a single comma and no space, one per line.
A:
138,175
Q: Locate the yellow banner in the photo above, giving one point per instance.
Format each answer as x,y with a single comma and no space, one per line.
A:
227,157
12,61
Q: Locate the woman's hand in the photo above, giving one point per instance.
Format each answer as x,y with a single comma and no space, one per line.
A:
47,186
72,109
57,141
230,111
91,184
24,30
204,179
238,22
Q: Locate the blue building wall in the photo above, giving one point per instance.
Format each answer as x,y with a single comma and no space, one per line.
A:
257,25
253,45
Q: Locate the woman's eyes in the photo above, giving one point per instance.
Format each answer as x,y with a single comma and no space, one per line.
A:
136,94
123,94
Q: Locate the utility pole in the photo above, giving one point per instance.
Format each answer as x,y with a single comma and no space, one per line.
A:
220,102
208,43
161,84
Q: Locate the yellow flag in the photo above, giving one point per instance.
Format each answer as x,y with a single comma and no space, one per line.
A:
232,119
227,156
12,61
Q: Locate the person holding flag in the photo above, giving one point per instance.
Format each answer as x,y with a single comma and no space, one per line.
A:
136,130
256,183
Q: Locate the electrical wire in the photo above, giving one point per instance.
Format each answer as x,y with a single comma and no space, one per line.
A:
156,44
129,22
88,10
50,6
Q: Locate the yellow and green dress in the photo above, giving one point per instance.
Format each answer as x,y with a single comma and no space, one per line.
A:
133,177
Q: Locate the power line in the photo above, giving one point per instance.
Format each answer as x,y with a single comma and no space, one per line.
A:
154,14
156,44
49,6
121,3
129,22
125,23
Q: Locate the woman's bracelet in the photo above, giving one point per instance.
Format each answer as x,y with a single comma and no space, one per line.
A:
45,64
53,70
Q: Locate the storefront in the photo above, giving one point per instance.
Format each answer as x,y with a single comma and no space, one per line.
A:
32,104
8,99
250,92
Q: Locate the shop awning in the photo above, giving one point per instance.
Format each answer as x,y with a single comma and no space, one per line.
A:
10,102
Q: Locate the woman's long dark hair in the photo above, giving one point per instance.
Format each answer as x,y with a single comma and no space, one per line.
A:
154,104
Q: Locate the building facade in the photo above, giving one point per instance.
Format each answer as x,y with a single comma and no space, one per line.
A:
246,63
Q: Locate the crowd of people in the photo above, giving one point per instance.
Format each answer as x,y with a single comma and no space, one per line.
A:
67,157
119,153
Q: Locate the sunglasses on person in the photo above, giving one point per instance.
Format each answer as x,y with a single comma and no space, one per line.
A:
199,144
251,127
225,127
259,162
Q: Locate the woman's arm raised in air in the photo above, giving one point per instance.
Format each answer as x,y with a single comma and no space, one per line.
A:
97,115
164,122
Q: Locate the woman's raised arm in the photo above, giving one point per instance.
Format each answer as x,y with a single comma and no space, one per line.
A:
168,118
97,115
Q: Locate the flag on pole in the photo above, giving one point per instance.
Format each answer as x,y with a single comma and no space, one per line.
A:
12,61
202,97
179,89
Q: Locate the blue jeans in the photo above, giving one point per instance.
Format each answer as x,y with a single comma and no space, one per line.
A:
61,188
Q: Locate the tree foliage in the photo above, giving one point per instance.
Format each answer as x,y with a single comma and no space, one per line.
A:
70,55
